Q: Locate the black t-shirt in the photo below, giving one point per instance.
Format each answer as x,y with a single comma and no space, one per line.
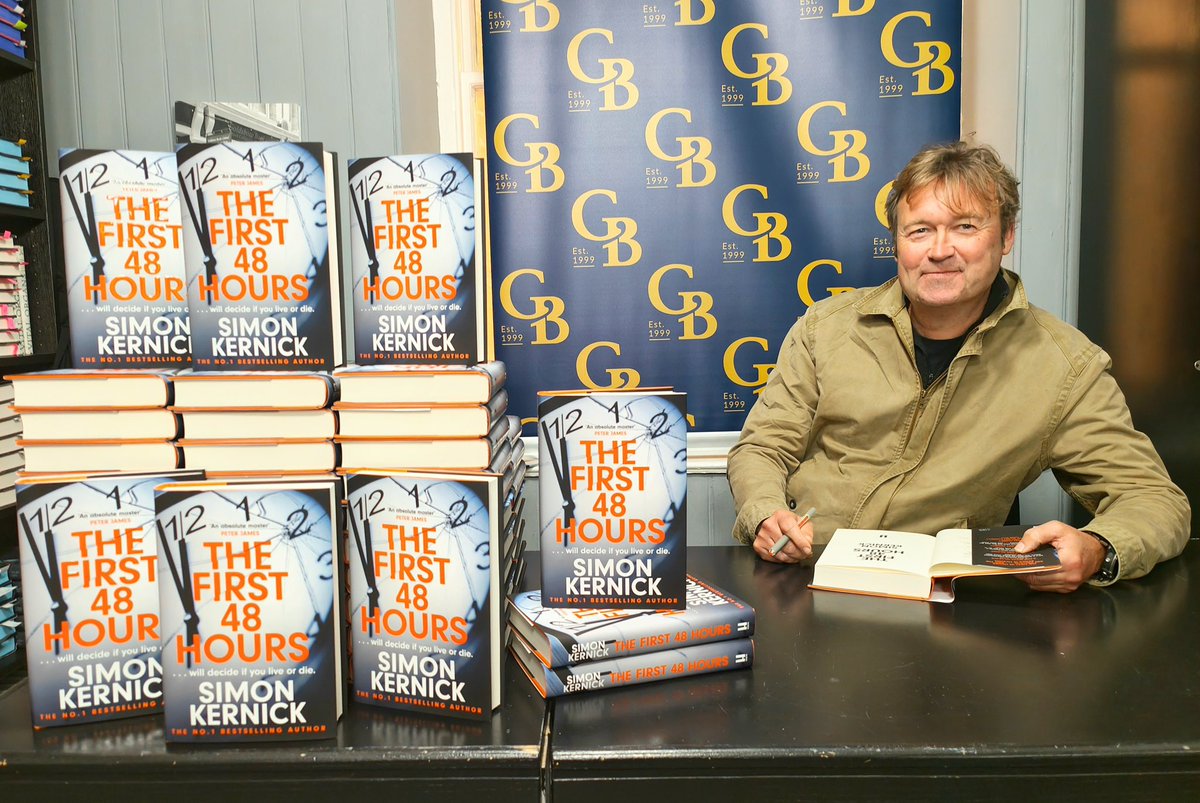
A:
934,356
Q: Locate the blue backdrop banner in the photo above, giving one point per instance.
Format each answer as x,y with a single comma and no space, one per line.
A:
673,183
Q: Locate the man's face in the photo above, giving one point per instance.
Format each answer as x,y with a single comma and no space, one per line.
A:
948,255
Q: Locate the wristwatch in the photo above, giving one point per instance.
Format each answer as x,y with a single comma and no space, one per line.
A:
1110,566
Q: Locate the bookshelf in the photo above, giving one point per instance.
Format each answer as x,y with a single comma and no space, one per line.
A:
21,117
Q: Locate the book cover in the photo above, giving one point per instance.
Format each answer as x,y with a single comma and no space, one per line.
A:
421,384
630,670
566,636
425,593
419,289
250,599
261,251
612,492
90,596
123,259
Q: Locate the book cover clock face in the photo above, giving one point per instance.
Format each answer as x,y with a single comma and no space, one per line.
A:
420,588
413,254
123,254
247,585
256,245
90,598
614,486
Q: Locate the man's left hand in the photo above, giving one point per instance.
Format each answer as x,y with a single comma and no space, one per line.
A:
1080,554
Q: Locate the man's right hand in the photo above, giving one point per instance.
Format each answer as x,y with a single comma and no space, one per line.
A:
777,525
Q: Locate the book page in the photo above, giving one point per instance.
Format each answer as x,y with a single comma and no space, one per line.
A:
880,550
987,551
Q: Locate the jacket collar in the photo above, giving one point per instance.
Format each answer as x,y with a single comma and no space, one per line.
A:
888,300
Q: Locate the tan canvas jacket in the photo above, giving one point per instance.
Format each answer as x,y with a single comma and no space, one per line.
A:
844,425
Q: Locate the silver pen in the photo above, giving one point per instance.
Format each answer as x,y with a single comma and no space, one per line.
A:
783,539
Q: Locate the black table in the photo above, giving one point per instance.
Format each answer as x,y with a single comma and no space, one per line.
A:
1001,695
379,753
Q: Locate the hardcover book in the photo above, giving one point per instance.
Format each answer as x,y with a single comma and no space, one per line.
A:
204,425
918,566
629,670
80,388
254,390
416,251
612,493
99,455
567,636
90,595
420,384
259,455
123,257
251,605
83,424
425,591
261,249
464,454
420,420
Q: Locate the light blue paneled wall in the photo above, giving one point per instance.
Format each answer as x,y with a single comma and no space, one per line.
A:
113,69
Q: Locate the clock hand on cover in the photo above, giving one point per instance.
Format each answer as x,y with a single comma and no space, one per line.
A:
47,564
181,574
87,226
562,471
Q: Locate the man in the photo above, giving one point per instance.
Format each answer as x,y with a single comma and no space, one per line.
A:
932,400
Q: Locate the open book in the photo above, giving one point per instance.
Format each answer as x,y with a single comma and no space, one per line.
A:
918,566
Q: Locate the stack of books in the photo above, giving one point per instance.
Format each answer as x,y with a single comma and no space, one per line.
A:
568,650
78,420
16,338
257,422
14,169
425,417
12,28
11,633
11,457
616,606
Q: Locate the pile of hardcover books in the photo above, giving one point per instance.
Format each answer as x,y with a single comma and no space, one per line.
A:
12,459
257,422
425,416
16,337
78,420
616,605
204,298
568,650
